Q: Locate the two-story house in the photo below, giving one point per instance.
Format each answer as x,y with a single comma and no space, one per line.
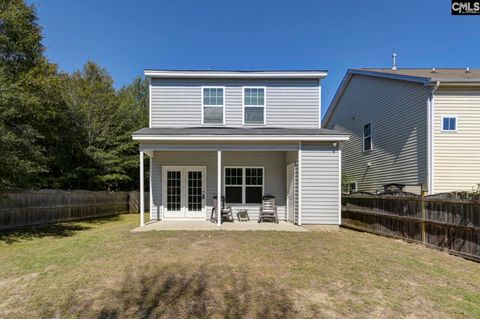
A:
241,135
414,127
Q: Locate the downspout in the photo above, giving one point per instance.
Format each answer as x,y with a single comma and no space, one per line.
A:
431,137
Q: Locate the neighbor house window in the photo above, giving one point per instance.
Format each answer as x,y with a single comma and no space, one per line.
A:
254,106
213,104
367,137
244,185
449,124
350,187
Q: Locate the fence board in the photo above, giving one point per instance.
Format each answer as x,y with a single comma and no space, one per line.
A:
24,208
452,223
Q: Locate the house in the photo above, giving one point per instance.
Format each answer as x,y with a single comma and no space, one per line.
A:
416,128
242,135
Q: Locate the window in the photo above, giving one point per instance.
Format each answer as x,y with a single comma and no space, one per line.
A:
213,105
243,185
254,106
350,187
367,137
449,124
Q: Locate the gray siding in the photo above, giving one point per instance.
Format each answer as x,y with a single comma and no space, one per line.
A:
397,111
457,154
320,184
289,102
272,161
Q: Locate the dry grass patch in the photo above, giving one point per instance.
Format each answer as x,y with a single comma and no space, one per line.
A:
98,269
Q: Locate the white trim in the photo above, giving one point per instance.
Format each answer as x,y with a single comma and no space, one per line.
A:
244,183
222,106
319,138
340,185
363,137
236,74
142,192
299,183
289,214
319,103
150,103
264,105
219,187
449,117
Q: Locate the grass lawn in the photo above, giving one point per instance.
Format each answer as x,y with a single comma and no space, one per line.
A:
98,269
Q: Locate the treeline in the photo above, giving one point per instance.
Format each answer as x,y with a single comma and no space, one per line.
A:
60,130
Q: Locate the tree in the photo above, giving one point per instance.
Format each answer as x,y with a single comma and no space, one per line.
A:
21,156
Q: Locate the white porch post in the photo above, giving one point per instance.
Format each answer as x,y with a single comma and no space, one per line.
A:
142,192
299,183
219,188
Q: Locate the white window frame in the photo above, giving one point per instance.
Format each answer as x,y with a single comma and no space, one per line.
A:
348,186
222,106
244,183
363,137
449,117
264,105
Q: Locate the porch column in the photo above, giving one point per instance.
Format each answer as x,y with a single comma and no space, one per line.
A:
219,187
142,199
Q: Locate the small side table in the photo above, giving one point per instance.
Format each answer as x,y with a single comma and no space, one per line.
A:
242,215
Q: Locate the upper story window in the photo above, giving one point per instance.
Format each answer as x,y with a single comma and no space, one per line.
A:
254,106
367,137
213,105
449,124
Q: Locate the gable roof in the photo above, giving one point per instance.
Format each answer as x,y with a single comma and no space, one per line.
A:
433,75
300,74
418,75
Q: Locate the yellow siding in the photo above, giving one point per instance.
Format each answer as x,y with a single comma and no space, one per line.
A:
457,154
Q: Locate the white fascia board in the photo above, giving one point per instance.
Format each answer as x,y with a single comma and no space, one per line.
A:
213,138
232,74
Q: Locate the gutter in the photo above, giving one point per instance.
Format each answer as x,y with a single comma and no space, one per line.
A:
431,136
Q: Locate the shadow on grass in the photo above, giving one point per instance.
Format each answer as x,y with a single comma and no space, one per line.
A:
174,292
101,220
57,230
32,232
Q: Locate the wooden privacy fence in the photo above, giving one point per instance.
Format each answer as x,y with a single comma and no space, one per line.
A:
451,224
22,208
134,201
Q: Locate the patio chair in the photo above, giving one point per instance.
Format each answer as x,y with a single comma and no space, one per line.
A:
226,212
268,209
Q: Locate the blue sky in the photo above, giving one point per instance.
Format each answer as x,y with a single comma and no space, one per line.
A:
129,36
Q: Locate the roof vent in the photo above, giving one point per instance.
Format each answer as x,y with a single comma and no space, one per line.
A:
433,70
394,62
467,70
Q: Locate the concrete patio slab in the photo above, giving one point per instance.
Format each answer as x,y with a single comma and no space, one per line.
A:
209,226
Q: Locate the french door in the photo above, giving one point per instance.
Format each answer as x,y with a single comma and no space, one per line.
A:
183,192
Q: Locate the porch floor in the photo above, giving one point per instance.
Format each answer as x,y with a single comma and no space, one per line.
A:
209,226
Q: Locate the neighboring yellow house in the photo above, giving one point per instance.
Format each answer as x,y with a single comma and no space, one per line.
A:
415,127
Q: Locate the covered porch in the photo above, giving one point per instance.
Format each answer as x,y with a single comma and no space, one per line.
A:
188,172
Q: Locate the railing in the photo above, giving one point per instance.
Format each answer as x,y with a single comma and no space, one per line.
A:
452,224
